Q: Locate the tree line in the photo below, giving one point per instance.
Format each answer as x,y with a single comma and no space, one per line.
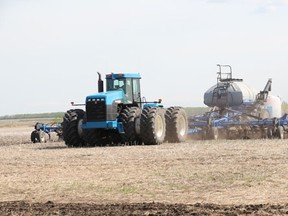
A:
33,116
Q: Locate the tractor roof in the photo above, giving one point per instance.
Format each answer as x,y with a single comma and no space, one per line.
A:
123,75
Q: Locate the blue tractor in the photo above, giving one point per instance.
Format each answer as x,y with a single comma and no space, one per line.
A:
120,116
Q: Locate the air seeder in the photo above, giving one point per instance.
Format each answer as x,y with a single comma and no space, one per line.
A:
121,115
238,111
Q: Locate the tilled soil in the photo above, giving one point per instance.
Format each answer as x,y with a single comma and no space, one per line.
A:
243,177
50,208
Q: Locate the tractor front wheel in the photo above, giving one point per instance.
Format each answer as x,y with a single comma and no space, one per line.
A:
73,133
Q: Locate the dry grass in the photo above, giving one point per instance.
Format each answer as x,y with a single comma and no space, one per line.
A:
221,172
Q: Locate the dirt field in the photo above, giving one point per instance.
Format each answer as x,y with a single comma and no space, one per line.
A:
224,177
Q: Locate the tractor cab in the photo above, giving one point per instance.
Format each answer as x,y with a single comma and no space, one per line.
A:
128,83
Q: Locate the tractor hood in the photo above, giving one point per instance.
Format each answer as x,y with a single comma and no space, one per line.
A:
102,107
110,97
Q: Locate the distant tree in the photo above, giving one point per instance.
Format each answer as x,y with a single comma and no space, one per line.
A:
55,115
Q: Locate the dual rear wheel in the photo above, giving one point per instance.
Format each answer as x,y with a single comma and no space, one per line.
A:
176,124
154,125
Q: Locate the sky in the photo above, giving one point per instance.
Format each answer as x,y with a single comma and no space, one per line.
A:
51,50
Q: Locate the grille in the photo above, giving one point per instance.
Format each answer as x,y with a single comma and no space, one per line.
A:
96,109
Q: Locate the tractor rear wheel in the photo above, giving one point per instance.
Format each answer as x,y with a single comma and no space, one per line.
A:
176,125
152,125
73,133
130,117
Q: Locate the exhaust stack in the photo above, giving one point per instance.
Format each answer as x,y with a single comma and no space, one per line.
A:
100,83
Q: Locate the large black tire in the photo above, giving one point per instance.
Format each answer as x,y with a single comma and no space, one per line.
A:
152,125
130,118
35,136
176,125
73,133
